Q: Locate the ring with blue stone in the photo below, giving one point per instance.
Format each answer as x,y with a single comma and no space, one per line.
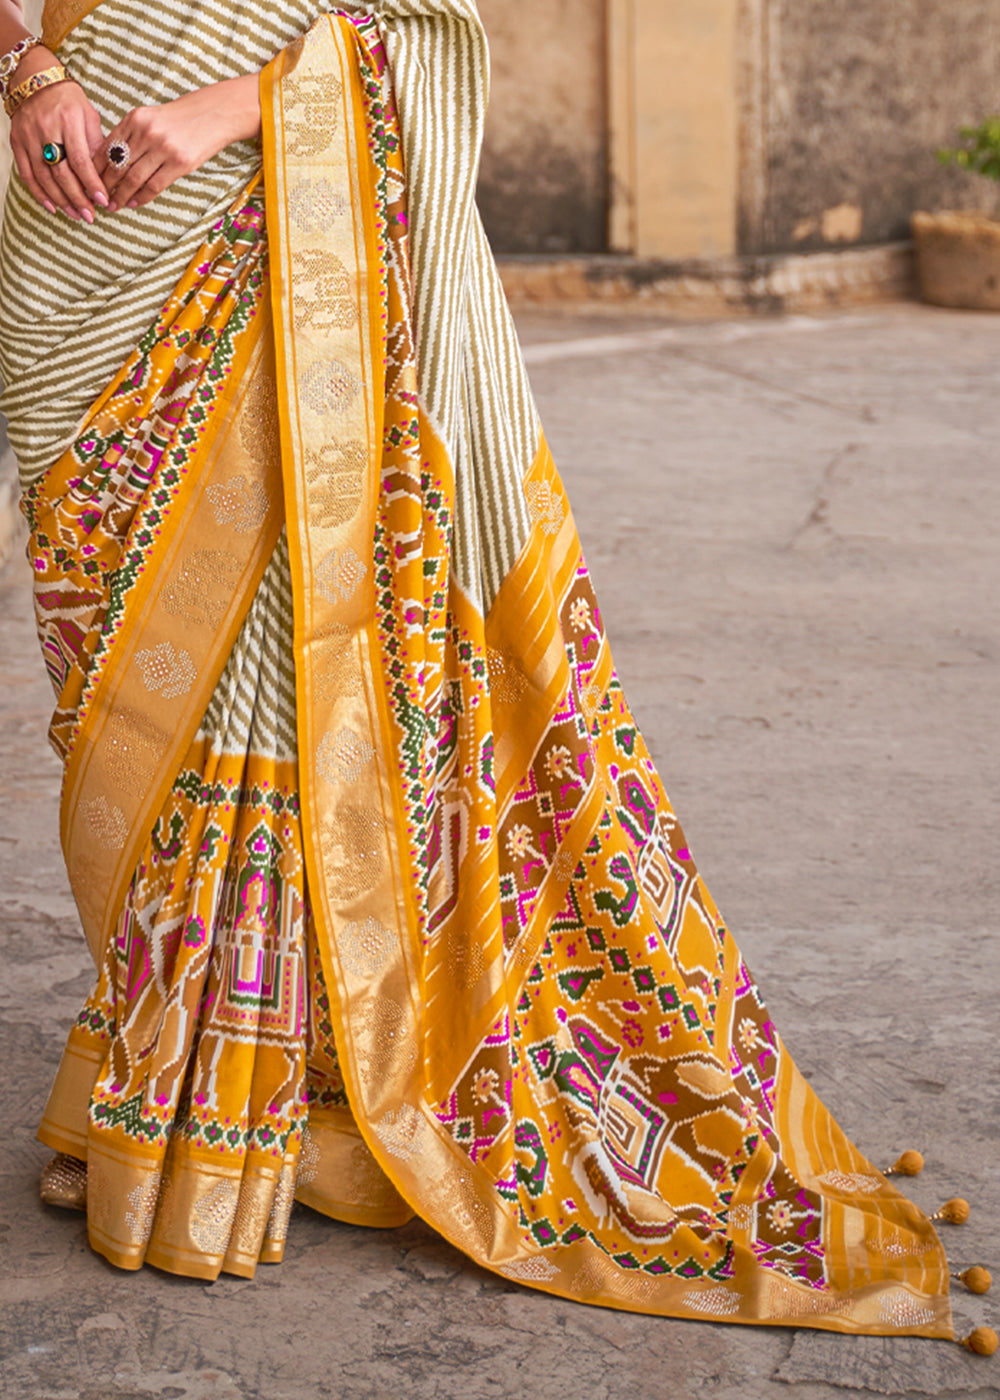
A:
53,153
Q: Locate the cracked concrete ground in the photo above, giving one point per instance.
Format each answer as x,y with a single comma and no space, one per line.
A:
793,529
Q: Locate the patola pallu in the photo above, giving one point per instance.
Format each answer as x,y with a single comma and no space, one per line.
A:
390,911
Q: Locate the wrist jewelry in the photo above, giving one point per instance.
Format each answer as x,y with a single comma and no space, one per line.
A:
10,60
48,77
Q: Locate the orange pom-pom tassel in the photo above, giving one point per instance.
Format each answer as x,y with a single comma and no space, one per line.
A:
983,1341
910,1164
953,1212
977,1280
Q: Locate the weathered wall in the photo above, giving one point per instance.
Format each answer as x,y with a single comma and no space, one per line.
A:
843,103
673,122
544,185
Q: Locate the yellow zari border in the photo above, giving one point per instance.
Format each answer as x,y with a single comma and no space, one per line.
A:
105,822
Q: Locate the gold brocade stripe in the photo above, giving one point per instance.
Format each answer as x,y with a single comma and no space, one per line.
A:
353,851
339,1177
60,16
349,828
192,596
331,385
195,1217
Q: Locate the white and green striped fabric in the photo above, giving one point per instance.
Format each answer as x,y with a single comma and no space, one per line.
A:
75,299
472,377
253,707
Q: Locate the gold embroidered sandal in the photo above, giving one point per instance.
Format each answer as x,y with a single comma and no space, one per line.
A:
64,1183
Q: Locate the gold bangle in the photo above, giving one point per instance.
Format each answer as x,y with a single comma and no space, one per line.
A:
48,77
10,61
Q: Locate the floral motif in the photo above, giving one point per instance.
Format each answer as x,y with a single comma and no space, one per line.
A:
485,1085
519,842
781,1216
559,764
579,615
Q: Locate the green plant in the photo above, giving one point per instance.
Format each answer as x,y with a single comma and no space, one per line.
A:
981,151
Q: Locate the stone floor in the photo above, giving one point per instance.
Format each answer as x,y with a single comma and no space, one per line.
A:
793,528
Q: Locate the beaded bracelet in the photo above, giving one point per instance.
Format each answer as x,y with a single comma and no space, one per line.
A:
46,78
10,61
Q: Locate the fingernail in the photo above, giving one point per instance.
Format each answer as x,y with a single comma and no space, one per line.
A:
50,206
112,208
101,199
87,215
133,204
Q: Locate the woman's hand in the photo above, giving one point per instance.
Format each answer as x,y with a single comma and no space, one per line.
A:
61,114
167,142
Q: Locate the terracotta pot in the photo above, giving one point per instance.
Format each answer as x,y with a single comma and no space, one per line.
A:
958,259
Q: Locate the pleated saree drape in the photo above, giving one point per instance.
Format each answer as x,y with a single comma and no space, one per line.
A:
390,910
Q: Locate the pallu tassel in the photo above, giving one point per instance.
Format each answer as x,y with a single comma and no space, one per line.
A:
983,1341
976,1280
953,1212
910,1164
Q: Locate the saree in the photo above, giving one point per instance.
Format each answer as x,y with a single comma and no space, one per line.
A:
390,910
